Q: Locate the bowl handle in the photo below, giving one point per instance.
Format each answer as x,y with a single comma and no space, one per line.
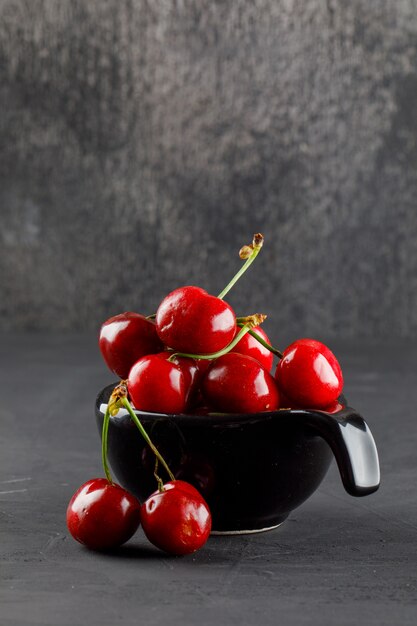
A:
352,444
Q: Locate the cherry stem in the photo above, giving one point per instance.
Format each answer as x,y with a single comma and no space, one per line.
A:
157,477
249,253
214,355
262,341
104,440
251,321
145,435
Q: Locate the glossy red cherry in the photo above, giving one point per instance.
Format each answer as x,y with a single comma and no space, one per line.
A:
177,519
192,321
125,338
192,376
156,384
309,374
236,383
251,347
102,515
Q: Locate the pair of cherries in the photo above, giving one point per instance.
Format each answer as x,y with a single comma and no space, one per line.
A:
103,515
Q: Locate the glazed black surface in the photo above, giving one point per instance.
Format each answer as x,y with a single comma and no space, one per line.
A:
254,469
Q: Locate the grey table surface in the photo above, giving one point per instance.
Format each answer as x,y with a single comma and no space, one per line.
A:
336,560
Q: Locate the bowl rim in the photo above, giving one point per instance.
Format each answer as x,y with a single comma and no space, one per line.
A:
220,418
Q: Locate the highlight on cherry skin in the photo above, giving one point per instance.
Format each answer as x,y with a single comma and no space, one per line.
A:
102,515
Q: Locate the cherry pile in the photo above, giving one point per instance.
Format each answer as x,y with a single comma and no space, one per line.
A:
194,355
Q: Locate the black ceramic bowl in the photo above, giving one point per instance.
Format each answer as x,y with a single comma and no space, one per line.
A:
252,469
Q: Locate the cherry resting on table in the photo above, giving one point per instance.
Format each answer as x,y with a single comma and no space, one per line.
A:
102,515
176,519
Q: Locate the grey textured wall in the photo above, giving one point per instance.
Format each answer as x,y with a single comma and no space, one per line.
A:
141,143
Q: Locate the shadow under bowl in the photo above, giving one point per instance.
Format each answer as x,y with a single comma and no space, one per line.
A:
252,469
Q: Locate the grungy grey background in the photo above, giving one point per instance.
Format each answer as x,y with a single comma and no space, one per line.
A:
143,142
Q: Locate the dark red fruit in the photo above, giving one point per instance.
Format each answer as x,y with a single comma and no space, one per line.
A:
193,372
251,347
177,519
192,376
192,321
158,385
102,515
236,383
309,374
125,338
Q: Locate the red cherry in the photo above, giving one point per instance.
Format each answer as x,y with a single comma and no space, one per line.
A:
176,519
158,385
192,321
102,515
125,338
192,371
309,374
236,383
251,347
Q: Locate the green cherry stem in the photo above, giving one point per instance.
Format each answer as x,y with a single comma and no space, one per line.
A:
145,435
214,355
249,253
251,321
262,341
104,440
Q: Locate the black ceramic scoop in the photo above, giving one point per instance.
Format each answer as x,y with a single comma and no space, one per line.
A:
252,469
